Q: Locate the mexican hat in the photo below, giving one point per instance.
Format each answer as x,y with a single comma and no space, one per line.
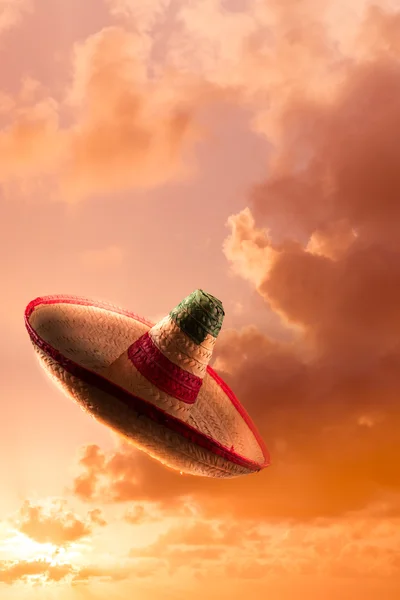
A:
150,383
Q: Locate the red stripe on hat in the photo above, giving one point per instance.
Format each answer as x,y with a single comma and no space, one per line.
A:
161,372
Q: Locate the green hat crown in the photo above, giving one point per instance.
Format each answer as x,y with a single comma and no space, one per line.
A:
198,315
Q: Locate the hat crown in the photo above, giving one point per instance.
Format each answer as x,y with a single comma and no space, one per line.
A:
188,334
198,315
170,360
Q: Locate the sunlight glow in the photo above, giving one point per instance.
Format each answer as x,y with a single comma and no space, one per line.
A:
20,547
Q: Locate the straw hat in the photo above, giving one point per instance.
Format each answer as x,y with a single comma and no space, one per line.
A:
150,383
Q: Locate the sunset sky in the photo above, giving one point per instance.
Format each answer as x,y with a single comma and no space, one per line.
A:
250,148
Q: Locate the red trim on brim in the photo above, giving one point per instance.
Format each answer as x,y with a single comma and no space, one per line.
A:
138,404
163,374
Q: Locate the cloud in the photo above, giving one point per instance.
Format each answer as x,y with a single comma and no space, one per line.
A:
319,242
31,143
248,248
131,129
144,15
12,11
131,112
329,264
96,517
43,571
116,128
155,512
199,533
245,551
256,51
241,550
54,523
14,572
138,514
86,574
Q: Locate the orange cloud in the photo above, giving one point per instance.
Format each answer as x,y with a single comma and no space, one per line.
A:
96,517
248,248
145,15
127,129
12,11
86,574
14,572
331,203
194,534
131,129
138,514
42,571
31,143
244,551
54,524
320,244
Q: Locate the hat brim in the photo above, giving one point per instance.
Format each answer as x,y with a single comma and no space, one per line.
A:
77,339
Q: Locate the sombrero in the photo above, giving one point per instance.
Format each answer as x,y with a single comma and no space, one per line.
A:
150,383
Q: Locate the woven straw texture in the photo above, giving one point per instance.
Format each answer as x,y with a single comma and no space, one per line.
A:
180,349
198,315
95,338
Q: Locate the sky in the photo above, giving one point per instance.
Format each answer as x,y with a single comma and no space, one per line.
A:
251,149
